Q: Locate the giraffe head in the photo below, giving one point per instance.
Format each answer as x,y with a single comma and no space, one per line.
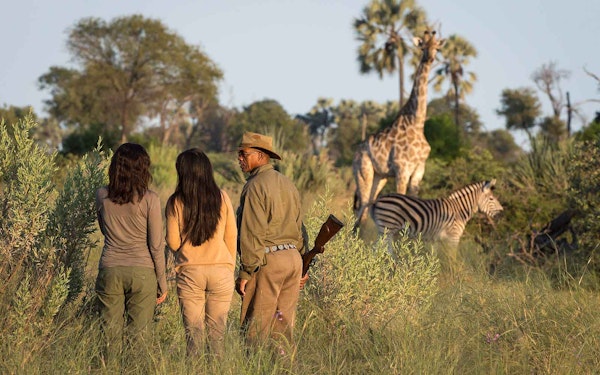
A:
429,44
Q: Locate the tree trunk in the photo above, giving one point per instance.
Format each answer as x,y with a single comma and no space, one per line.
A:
569,115
456,107
401,80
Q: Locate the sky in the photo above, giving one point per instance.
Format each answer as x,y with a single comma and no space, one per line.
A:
296,52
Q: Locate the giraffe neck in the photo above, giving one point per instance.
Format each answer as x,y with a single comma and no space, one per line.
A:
417,102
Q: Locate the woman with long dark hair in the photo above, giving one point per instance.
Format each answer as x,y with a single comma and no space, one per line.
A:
202,232
131,272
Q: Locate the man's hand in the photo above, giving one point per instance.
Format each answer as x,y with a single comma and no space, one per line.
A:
161,299
240,286
303,281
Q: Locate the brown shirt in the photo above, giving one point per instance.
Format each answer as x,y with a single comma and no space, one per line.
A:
219,249
269,214
133,234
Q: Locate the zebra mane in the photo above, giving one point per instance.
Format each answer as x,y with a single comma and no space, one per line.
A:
466,190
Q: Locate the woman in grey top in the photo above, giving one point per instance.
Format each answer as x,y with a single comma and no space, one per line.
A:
131,273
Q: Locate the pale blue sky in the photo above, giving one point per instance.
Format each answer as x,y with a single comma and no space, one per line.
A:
297,51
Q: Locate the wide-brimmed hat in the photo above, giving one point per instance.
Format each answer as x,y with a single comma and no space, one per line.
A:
259,141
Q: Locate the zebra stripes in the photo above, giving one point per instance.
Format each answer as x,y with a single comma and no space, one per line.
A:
436,219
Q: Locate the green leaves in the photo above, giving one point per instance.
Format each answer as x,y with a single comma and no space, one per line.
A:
129,68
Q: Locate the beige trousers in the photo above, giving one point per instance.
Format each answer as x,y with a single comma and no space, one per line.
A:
205,293
269,306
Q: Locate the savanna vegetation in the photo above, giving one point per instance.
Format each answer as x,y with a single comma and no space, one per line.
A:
518,298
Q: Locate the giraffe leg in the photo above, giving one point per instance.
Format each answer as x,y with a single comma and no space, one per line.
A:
415,180
402,179
363,176
378,184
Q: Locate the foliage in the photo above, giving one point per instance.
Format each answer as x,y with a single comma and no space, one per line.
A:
319,120
547,79
360,279
45,235
470,122
82,140
162,167
553,128
443,137
354,122
360,312
308,172
472,165
535,191
537,186
521,107
380,29
12,115
590,132
73,220
129,67
456,53
500,143
269,117
47,133
584,196
210,130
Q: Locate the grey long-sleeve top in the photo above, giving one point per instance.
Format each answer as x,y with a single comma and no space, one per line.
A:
133,234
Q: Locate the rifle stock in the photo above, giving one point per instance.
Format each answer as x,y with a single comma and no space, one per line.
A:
331,226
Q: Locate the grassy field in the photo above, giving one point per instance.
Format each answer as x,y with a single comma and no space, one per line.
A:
362,312
355,318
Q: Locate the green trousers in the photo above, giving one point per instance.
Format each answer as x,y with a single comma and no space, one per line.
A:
126,297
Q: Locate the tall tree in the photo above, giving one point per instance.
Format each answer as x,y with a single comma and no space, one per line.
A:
457,53
521,108
385,31
129,68
353,120
470,121
320,120
269,117
548,79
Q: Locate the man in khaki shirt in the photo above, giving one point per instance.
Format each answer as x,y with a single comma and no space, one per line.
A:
270,242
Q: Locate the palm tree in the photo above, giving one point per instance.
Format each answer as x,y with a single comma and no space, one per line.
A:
380,29
456,53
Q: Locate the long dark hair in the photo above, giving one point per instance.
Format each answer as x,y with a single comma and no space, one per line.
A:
199,194
128,174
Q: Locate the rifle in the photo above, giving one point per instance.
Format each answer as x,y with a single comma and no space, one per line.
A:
331,226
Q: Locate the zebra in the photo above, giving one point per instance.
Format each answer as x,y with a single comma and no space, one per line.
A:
435,219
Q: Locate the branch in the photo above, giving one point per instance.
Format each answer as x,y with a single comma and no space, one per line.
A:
591,74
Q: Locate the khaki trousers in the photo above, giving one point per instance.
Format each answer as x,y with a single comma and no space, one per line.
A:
205,293
269,306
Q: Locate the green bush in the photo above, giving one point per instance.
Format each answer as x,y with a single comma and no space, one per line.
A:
584,197
45,238
360,280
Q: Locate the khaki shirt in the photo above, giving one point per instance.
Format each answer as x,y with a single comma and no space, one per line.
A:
269,214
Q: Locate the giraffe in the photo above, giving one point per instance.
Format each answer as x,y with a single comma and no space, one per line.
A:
400,150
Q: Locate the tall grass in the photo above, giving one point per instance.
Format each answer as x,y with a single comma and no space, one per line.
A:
363,311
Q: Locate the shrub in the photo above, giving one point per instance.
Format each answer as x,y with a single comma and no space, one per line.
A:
364,281
44,238
584,197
